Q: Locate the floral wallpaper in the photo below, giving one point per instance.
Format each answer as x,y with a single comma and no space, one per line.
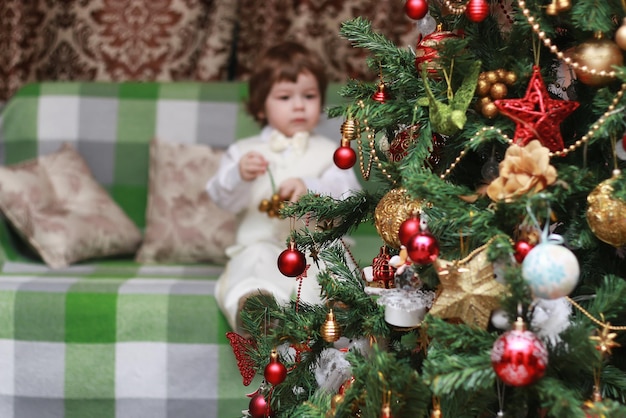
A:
169,40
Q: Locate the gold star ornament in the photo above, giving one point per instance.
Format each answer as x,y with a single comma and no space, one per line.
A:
468,289
605,340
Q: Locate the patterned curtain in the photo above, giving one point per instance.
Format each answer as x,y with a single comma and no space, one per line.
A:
316,23
112,40
170,40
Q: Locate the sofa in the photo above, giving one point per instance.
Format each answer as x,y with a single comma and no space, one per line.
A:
108,334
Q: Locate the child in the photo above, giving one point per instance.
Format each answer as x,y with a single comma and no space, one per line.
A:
287,92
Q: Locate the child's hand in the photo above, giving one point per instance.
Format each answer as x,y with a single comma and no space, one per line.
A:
252,165
291,189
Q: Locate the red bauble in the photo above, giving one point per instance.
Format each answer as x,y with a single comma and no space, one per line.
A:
408,229
259,407
422,248
518,357
521,249
344,157
292,262
416,9
275,372
477,10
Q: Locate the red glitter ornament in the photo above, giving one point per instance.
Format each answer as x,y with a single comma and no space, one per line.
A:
292,262
416,9
477,10
275,372
241,347
537,116
344,157
518,357
423,248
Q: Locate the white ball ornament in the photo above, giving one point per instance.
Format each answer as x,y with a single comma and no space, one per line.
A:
551,270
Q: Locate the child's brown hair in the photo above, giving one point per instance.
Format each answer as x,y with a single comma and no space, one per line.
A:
282,62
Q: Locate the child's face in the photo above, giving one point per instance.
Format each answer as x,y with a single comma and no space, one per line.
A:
294,107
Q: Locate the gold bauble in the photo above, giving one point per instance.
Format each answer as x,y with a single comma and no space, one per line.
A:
483,87
330,330
491,76
606,215
484,101
510,78
598,54
489,110
272,206
558,6
394,208
498,91
620,35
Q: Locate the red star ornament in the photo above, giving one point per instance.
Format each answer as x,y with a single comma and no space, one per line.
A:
537,115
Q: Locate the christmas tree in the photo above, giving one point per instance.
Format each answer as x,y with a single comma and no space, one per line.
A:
492,151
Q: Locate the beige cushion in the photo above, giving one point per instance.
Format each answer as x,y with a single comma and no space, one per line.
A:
64,214
182,224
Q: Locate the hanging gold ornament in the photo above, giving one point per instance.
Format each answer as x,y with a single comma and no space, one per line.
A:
492,85
330,329
272,206
336,400
469,290
596,56
394,208
606,215
605,340
620,35
558,6
385,411
436,411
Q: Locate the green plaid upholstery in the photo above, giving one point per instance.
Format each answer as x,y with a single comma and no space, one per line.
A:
111,347
113,338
